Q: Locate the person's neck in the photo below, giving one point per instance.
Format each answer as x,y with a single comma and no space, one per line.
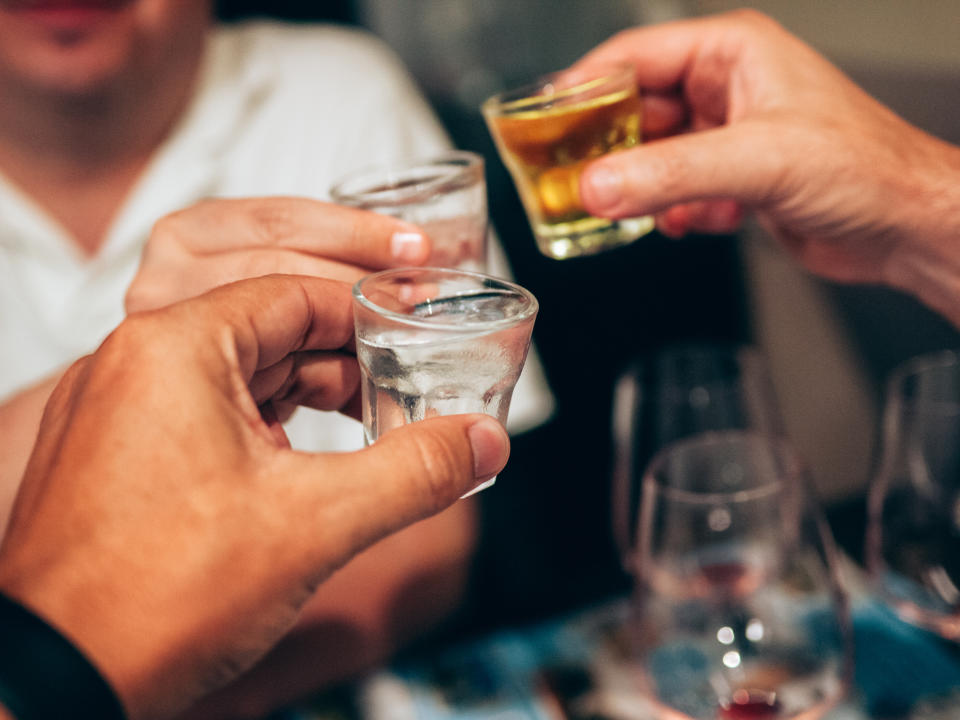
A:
78,157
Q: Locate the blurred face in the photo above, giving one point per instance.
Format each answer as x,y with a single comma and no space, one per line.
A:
79,47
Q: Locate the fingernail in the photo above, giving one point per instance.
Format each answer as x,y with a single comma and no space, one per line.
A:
490,446
408,247
604,187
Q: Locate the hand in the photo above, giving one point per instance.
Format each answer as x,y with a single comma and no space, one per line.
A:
220,241
166,527
748,115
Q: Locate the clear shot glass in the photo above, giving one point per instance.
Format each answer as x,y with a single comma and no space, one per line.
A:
435,341
446,196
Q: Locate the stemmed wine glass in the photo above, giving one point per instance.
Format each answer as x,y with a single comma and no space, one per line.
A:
739,612
677,392
913,532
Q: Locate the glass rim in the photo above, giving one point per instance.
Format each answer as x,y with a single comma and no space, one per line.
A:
463,166
530,96
793,470
700,349
484,280
916,367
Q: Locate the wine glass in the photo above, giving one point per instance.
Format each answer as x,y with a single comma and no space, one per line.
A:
739,612
913,531
676,392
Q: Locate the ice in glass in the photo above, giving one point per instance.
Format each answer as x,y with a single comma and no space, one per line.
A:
438,342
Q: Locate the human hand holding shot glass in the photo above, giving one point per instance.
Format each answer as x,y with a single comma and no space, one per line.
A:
438,342
446,196
547,132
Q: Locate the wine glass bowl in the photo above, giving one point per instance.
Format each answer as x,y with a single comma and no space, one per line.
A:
739,612
676,392
913,535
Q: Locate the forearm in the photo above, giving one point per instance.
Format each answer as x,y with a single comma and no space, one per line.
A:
19,421
926,263
398,589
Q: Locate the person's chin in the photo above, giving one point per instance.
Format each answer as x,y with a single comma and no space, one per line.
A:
84,72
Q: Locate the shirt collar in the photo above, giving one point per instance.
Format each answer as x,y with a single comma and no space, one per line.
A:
184,167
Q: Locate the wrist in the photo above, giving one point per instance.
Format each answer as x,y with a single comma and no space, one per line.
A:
43,675
926,260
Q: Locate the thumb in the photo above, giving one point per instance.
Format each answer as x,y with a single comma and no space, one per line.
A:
735,162
410,473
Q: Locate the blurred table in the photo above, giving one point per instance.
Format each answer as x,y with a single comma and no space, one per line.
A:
571,668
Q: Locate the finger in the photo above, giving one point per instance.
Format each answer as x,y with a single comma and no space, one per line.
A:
322,381
737,162
672,222
663,54
716,216
353,407
274,425
195,276
410,473
272,382
663,114
353,236
260,321
708,216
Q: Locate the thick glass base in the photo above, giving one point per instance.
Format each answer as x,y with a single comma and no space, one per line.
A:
589,236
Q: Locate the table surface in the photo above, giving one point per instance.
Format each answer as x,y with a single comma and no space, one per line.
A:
569,668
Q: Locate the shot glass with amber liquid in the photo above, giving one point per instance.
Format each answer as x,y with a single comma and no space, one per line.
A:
546,133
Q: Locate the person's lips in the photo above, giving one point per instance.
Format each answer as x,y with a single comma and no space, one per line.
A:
53,5
65,17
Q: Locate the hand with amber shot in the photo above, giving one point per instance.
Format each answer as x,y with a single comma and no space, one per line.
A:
744,116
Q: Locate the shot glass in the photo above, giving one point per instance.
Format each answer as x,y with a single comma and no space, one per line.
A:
434,341
546,133
445,195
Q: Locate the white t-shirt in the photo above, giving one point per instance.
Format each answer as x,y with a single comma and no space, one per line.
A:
279,110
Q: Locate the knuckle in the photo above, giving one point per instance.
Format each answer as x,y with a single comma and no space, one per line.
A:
272,221
753,18
137,297
129,338
161,229
141,349
169,227
623,38
133,299
71,378
170,233
147,293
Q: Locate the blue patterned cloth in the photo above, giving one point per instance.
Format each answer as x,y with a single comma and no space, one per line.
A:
572,668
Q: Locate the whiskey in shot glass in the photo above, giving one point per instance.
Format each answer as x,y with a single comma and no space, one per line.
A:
546,133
